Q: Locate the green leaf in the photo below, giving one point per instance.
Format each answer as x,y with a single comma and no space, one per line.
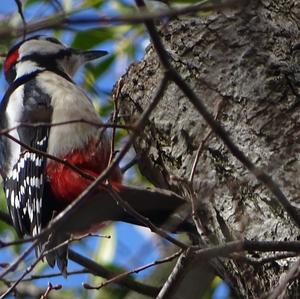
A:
105,110
3,207
93,37
106,249
93,3
188,1
30,2
103,66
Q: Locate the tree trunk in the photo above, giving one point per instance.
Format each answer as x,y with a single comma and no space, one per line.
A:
244,64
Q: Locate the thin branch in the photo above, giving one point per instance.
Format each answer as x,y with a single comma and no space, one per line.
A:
263,260
189,184
13,266
74,121
57,5
71,240
136,270
144,16
28,270
115,118
218,109
16,242
49,289
62,19
246,245
51,157
4,265
129,164
20,11
146,222
176,276
51,275
98,270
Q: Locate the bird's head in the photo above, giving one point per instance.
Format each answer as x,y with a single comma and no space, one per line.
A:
43,52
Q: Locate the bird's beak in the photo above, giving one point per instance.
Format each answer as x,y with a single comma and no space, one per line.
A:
85,56
91,55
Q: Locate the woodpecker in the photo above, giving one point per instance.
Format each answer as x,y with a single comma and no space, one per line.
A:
41,90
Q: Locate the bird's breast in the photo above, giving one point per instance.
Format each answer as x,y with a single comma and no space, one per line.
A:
66,183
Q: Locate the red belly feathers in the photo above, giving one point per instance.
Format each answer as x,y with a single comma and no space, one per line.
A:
67,184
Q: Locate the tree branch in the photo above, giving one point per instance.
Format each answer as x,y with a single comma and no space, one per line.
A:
61,19
98,270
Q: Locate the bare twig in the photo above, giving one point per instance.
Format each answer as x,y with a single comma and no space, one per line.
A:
15,242
115,118
129,164
71,240
217,112
70,273
19,259
5,132
73,121
131,211
97,269
62,19
263,260
57,5
4,265
20,11
54,158
246,245
49,289
189,184
136,270
28,270
176,276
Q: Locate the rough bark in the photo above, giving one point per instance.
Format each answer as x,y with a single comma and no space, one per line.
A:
247,60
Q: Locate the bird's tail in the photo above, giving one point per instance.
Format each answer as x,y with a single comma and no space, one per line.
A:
57,249
162,208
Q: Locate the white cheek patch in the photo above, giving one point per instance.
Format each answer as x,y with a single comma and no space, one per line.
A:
26,67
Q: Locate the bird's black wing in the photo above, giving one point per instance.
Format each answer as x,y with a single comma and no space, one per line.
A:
24,186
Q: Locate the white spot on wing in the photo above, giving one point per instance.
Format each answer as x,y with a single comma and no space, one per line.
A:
17,202
12,198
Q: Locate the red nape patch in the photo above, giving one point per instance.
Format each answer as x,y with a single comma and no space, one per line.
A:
10,60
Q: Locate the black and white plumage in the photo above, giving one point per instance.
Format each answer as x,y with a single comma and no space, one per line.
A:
39,72
24,185
24,188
